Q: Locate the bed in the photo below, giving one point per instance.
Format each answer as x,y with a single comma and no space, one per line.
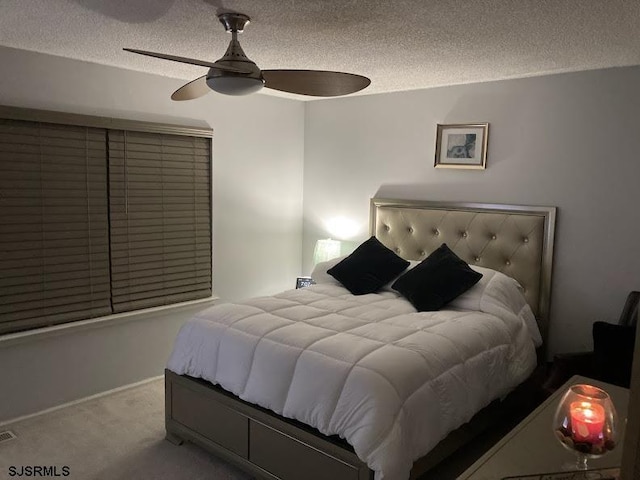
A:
319,383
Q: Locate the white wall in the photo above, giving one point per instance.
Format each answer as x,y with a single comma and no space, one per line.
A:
257,196
568,140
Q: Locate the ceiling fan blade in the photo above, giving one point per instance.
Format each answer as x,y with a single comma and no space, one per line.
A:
194,89
317,83
191,61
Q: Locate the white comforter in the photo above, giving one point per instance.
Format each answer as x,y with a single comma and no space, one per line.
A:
389,380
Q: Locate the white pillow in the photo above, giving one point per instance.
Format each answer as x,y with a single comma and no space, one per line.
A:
495,290
320,275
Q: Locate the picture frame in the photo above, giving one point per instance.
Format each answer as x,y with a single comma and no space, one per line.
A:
462,145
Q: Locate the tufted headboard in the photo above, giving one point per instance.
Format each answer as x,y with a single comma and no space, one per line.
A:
513,239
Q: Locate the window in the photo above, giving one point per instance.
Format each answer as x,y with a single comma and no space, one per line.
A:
97,220
160,219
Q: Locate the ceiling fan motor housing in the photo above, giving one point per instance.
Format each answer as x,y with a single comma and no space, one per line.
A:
230,83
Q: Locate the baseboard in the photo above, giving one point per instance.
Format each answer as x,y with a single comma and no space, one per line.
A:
81,400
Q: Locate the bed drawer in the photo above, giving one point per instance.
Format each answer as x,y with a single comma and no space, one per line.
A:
220,424
290,459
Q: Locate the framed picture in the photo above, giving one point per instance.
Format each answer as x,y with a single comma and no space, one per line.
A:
462,146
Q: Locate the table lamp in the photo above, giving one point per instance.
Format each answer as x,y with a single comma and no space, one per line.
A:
326,249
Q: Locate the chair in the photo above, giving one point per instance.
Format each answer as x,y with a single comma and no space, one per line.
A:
612,355
629,314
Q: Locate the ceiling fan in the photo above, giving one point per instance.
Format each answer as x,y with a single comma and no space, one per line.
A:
236,74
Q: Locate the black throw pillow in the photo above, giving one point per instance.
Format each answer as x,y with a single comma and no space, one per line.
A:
368,268
437,280
613,352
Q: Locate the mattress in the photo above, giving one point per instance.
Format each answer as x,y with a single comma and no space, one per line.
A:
389,380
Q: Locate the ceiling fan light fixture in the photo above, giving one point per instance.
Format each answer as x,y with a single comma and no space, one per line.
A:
235,85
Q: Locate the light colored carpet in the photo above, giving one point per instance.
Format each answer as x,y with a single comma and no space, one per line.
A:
118,436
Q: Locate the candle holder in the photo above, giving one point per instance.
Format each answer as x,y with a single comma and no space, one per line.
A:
585,423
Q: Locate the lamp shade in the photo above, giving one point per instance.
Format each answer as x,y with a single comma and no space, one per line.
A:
326,249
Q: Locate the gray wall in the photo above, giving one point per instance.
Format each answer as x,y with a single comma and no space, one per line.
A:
257,194
568,140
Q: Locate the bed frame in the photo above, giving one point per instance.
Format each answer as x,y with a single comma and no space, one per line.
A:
517,240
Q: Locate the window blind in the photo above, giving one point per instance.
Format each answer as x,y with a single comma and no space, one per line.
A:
54,244
160,218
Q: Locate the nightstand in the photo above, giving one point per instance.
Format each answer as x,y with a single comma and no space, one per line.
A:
531,447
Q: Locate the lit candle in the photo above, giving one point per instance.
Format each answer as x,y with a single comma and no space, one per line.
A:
587,422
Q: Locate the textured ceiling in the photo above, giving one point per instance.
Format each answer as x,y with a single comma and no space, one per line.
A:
400,45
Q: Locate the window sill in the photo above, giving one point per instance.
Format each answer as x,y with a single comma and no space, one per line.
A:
11,339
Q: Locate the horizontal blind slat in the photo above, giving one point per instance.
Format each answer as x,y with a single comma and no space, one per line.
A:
123,305
53,297
100,271
44,317
179,284
32,287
